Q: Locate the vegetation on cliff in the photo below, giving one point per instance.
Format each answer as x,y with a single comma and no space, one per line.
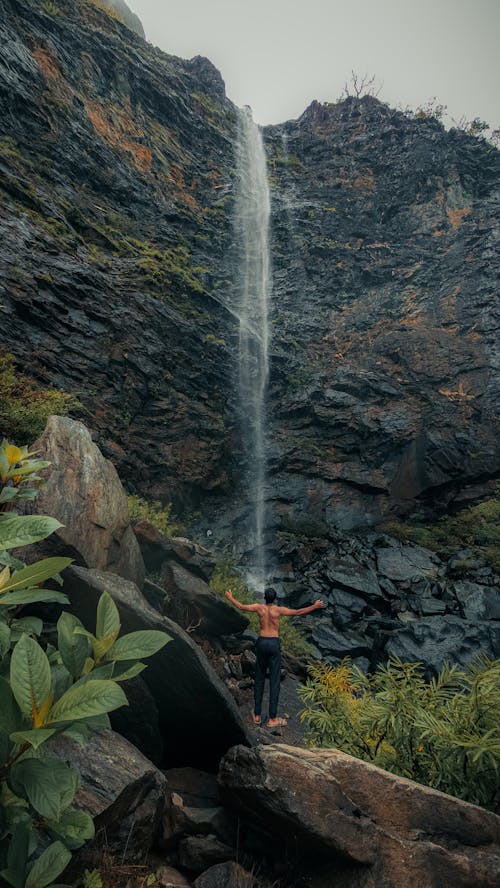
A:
444,733
26,406
476,528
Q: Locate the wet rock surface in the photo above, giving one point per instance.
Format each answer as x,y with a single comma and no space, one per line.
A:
83,491
385,597
356,824
120,788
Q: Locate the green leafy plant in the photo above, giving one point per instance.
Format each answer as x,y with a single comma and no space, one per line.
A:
25,407
157,515
68,689
18,475
444,733
477,527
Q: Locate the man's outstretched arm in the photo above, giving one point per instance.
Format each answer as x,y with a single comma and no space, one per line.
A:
297,612
244,607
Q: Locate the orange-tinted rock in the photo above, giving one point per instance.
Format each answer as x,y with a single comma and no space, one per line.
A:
364,825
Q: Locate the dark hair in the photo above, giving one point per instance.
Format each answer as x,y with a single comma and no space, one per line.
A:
270,595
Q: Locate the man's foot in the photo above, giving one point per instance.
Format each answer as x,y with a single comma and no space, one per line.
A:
257,720
277,723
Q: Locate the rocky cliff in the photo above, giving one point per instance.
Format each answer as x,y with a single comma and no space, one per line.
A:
384,388
118,273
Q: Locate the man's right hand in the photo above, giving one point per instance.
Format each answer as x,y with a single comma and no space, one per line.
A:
318,603
228,594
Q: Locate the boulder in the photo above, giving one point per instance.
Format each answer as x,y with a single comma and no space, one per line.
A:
199,719
120,788
225,875
478,602
139,722
404,562
192,603
157,548
354,576
83,491
436,640
358,823
196,853
199,789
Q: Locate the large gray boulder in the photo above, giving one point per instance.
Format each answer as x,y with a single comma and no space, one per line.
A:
198,717
83,491
357,825
120,788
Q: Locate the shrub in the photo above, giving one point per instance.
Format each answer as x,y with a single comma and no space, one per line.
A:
25,407
477,527
157,515
444,733
68,689
109,10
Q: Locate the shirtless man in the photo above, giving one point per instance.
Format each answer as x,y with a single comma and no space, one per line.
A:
268,650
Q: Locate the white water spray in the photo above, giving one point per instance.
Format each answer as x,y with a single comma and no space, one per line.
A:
253,209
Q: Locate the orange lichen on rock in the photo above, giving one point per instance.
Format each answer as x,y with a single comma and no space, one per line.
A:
456,217
182,193
367,183
118,129
458,395
52,74
48,65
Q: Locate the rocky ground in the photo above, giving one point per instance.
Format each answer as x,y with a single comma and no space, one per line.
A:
184,791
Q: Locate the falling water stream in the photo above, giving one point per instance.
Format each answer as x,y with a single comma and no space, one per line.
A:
253,209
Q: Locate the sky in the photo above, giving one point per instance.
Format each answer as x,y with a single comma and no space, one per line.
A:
279,55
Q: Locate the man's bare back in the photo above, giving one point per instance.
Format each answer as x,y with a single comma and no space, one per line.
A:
269,614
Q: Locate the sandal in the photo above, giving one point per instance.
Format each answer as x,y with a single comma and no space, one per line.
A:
257,720
279,723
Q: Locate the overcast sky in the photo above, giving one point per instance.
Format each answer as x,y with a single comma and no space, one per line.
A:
279,55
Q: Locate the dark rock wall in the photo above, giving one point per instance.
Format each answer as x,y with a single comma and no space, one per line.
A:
115,167
384,388
117,267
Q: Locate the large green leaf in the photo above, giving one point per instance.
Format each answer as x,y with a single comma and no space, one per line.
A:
96,697
48,783
29,676
29,625
74,648
32,596
48,866
73,827
23,530
137,645
35,738
36,573
108,618
128,670
9,560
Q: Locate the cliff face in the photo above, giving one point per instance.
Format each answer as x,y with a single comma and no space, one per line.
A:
115,164
384,388
117,170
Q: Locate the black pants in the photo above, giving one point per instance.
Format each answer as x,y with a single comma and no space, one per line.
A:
268,653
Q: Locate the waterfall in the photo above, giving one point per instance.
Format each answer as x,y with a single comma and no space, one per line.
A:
252,214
